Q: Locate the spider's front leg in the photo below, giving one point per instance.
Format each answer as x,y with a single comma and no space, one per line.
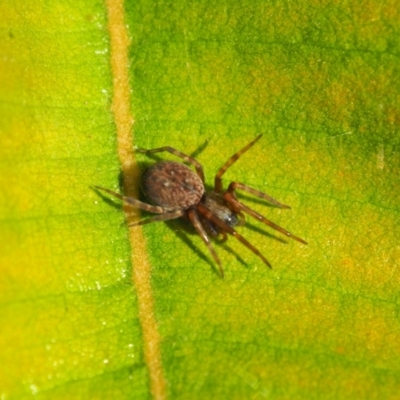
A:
230,197
228,229
228,164
237,185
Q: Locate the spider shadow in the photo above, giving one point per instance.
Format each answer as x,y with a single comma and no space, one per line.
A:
117,204
161,156
200,149
255,200
183,229
107,199
261,231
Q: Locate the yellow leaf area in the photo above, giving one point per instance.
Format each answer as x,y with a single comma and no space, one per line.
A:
68,320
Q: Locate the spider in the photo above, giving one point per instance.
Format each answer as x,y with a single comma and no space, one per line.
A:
174,191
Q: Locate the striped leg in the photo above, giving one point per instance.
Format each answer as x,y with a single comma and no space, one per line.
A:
234,158
225,227
238,205
134,202
237,185
194,218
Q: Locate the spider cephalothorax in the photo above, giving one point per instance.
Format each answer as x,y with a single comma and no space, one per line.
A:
174,191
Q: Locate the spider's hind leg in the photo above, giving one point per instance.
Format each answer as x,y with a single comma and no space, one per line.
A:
134,202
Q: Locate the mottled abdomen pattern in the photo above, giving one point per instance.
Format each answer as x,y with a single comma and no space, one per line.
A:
172,185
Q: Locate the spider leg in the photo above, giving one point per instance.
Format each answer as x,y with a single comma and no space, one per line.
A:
234,158
211,229
208,214
134,202
189,160
160,217
237,204
194,218
237,185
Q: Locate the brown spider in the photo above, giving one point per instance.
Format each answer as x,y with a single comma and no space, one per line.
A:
174,191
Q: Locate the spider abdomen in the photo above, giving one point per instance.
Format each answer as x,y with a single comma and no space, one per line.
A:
172,185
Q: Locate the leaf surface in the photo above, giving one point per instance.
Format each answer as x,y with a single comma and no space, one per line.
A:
321,82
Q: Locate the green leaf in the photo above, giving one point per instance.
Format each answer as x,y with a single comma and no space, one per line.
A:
321,82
